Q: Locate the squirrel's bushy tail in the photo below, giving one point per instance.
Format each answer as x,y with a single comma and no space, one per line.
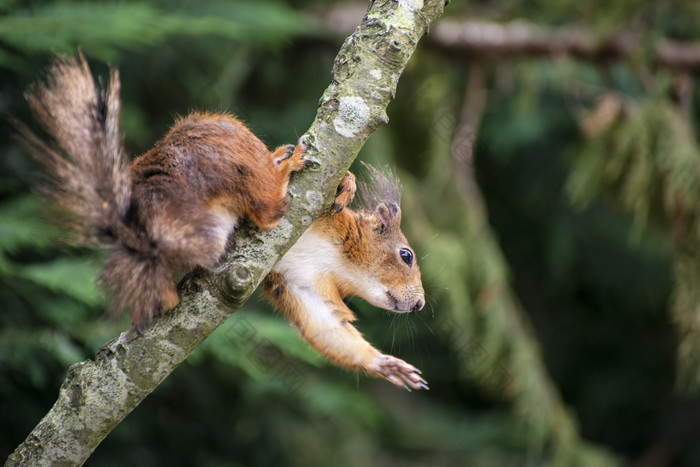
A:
89,180
88,175
141,282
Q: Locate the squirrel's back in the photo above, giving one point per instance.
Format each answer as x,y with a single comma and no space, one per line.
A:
174,208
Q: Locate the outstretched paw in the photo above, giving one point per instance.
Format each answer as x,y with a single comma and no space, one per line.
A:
400,373
290,158
346,192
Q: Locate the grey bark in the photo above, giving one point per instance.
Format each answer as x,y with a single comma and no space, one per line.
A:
97,394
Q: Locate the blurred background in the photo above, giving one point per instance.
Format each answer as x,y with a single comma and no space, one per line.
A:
549,158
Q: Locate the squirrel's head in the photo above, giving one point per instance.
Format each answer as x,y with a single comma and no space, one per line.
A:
388,276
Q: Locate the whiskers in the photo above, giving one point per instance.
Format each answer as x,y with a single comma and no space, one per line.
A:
409,329
404,325
430,300
420,255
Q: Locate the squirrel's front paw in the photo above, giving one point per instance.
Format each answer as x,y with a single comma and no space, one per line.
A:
399,372
346,192
302,147
290,158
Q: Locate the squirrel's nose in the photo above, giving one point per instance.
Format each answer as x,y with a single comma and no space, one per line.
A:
419,305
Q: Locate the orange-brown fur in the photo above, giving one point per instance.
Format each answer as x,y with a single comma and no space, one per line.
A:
348,349
349,252
372,247
175,207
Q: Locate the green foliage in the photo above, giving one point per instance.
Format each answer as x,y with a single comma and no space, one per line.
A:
103,30
649,160
547,327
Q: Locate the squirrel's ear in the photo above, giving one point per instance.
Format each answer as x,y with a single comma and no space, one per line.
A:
389,214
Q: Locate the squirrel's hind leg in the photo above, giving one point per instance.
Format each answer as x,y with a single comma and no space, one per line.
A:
145,281
270,204
290,158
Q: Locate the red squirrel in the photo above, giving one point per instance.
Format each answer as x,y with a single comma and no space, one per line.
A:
349,252
174,208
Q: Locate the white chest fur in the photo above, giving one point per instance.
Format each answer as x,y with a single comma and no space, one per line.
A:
313,257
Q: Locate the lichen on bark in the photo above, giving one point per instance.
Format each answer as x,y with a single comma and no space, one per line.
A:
97,394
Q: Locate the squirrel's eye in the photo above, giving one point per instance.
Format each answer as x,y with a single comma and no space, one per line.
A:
406,256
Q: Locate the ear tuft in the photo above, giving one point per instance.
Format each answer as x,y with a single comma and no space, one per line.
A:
378,187
389,214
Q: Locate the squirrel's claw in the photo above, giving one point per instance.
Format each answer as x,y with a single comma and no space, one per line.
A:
285,153
345,193
303,147
398,382
290,158
400,373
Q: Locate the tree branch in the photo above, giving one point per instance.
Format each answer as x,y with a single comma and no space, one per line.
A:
523,38
97,394
520,38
